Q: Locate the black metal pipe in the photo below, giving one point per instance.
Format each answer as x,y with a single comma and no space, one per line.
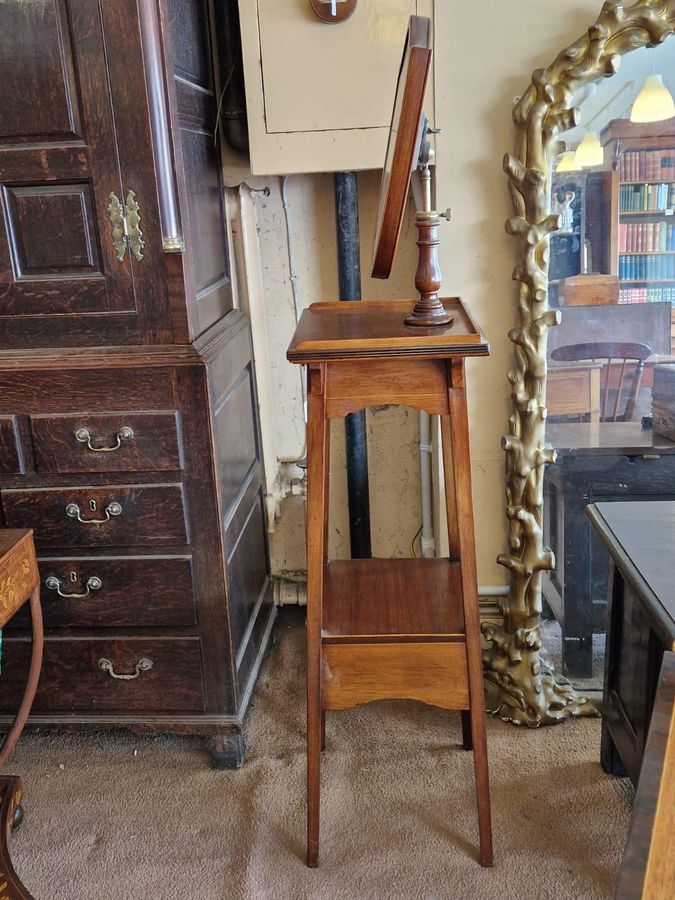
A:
232,103
349,276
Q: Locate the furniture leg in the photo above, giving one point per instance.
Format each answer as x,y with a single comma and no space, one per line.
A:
323,730
577,618
227,751
610,760
33,679
456,428
467,742
11,795
317,500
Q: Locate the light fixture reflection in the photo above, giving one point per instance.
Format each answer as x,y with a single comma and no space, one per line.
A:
654,103
567,162
589,152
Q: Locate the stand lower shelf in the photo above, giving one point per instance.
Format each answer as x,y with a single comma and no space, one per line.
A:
393,629
384,600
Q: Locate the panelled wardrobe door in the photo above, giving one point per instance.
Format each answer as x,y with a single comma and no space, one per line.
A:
193,100
65,262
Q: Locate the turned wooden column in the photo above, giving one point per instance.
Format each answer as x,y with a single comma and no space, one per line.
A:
428,310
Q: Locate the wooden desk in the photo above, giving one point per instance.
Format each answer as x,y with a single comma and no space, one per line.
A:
19,584
648,866
640,537
596,462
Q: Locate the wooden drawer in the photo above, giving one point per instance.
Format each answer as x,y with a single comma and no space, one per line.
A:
124,515
74,678
119,592
110,442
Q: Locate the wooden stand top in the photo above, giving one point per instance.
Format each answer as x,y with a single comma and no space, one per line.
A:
372,329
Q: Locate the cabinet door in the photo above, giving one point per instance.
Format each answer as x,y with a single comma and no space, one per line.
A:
60,279
186,28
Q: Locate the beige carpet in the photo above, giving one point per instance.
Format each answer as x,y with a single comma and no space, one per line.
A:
119,816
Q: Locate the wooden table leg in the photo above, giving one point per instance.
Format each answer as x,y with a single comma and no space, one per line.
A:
33,679
577,618
464,528
11,795
317,514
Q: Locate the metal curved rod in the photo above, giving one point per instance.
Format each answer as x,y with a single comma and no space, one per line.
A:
33,679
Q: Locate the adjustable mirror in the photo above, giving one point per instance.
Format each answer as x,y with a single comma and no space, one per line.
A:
408,149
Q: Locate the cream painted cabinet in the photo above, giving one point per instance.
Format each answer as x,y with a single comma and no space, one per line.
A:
319,96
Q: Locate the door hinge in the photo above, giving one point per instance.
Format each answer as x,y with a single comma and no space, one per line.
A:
125,224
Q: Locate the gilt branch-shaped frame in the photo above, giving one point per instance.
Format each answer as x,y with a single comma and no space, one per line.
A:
520,687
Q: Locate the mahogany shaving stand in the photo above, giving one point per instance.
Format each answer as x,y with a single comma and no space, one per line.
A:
405,628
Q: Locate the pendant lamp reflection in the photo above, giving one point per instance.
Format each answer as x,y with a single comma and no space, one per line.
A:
589,152
567,162
654,103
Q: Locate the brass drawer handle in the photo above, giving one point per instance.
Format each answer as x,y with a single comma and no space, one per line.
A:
53,583
143,665
83,435
112,509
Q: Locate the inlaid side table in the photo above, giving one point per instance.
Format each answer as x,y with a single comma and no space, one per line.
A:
377,628
19,583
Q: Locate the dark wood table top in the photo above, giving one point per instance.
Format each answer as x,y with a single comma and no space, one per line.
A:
640,535
369,329
606,438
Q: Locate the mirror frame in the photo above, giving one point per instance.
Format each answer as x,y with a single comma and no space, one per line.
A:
520,687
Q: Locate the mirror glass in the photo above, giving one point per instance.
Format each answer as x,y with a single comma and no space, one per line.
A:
612,263
611,370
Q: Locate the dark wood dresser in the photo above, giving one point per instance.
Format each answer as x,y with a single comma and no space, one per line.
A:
129,438
595,463
640,537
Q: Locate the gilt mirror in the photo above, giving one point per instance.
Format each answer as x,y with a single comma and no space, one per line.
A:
592,181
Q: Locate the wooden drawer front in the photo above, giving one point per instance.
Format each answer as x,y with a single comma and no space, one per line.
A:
147,514
74,678
113,442
10,454
119,592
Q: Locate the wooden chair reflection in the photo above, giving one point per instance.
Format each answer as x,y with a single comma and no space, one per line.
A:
630,356
588,290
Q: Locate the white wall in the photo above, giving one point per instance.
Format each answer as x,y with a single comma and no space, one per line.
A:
485,54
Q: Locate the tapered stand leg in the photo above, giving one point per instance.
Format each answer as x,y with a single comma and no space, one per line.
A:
467,742
459,491
317,514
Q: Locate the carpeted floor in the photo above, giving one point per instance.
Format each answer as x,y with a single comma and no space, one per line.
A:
119,816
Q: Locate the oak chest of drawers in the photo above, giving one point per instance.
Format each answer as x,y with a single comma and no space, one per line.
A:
156,594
